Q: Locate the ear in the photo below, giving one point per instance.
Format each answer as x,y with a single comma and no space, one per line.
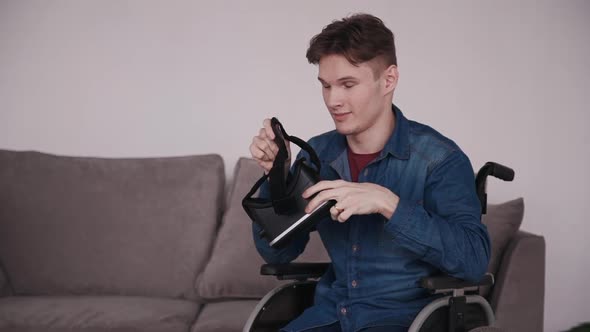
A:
390,76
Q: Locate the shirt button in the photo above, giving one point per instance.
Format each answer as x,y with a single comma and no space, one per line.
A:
355,248
354,283
343,311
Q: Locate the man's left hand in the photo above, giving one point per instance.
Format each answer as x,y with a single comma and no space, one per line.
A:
352,199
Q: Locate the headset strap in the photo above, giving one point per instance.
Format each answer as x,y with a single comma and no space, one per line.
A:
279,172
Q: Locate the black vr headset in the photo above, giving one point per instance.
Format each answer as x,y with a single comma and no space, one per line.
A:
283,215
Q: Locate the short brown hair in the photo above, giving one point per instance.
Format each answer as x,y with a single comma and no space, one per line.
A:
359,38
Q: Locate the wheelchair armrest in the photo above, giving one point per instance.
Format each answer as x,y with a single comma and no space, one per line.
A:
298,271
445,284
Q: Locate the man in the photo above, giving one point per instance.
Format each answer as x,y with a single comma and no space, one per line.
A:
406,202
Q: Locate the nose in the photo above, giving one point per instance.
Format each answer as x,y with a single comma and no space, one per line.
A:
333,98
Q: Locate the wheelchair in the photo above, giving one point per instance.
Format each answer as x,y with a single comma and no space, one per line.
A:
458,309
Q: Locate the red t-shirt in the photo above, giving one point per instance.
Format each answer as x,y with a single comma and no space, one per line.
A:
358,161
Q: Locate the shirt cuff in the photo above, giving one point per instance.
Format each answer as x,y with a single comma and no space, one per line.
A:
401,218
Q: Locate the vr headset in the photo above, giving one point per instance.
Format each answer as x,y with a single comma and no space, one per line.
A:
283,214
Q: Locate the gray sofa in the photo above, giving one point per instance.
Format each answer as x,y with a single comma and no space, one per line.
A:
162,244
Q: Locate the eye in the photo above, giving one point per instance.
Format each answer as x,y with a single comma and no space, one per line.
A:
325,86
349,85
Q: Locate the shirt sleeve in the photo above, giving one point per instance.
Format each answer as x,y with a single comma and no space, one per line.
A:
292,250
445,229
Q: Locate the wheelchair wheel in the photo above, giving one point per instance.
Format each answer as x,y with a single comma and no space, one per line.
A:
280,306
435,316
474,317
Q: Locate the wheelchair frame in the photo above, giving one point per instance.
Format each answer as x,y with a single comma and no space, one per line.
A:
269,316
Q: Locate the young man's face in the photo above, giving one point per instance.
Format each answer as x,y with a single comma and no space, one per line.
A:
356,96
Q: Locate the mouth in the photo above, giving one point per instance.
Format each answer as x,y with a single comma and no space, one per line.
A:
340,116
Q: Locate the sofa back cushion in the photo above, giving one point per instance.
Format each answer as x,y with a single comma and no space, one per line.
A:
74,225
503,221
4,287
234,268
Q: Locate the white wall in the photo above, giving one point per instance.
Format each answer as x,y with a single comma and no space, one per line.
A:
509,81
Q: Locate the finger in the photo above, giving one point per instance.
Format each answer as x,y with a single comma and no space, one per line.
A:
322,197
265,146
322,185
260,149
269,134
334,212
264,137
255,151
316,201
345,214
274,147
266,165
268,129
256,140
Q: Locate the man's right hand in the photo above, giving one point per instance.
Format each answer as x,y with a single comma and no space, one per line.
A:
263,147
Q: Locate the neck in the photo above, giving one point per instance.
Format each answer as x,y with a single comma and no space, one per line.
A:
374,138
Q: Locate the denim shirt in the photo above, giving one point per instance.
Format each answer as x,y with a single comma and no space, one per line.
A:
377,263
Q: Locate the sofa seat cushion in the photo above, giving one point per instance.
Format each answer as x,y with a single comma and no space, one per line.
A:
94,313
229,316
107,226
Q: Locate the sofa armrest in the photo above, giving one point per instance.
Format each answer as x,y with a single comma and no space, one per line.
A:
519,294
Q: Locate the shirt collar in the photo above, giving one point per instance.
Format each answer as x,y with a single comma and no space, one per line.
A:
398,144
